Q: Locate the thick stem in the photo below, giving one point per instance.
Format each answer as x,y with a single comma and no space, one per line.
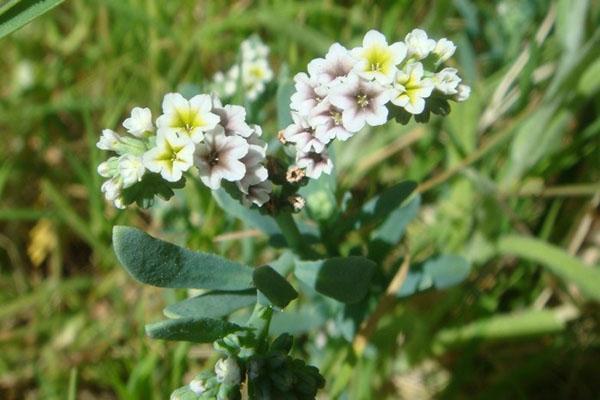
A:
293,237
260,320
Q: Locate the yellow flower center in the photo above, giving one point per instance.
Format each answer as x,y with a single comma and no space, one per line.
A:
378,59
362,100
187,120
337,117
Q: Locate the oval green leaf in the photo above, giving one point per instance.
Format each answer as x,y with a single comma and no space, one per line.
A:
198,330
214,304
345,279
274,286
158,263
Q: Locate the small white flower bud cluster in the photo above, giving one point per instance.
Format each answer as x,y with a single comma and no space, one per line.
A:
126,168
349,89
199,132
255,71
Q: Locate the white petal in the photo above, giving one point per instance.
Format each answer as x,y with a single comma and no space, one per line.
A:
174,101
352,121
202,103
374,37
378,117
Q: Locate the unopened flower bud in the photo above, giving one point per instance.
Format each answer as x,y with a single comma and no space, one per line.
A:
281,136
462,93
444,49
297,202
294,174
228,371
197,386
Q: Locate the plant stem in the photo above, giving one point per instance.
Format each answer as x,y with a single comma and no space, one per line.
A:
261,321
387,301
292,235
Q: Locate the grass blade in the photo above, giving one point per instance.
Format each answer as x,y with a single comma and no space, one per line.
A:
568,268
23,13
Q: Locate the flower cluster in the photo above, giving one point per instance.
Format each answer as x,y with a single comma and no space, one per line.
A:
252,71
202,132
221,383
273,374
349,89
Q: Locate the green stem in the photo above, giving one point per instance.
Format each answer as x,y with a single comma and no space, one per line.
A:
260,320
292,235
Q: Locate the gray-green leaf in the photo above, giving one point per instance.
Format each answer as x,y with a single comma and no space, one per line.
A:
274,286
440,272
345,279
158,263
214,304
199,330
379,207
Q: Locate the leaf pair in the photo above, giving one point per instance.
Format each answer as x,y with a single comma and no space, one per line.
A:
234,286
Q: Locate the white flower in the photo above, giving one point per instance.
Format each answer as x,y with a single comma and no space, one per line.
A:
171,157
228,371
253,48
197,386
233,119
253,91
109,168
327,120
462,93
418,44
108,140
257,71
258,194
303,134
309,93
112,188
218,157
139,122
131,169
24,75
190,118
255,171
255,139
231,81
219,77
446,81
119,203
332,69
362,102
254,175
377,60
444,49
314,163
410,89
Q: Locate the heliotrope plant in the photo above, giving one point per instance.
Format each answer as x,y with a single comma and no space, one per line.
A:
201,138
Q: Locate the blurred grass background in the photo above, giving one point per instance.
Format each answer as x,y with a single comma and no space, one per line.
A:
521,156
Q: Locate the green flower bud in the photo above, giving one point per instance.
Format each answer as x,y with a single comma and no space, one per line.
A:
184,393
228,371
283,343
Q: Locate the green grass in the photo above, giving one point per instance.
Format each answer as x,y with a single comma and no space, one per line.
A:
521,157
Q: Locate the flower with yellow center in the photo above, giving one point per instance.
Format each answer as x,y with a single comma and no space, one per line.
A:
377,60
189,118
410,89
171,157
